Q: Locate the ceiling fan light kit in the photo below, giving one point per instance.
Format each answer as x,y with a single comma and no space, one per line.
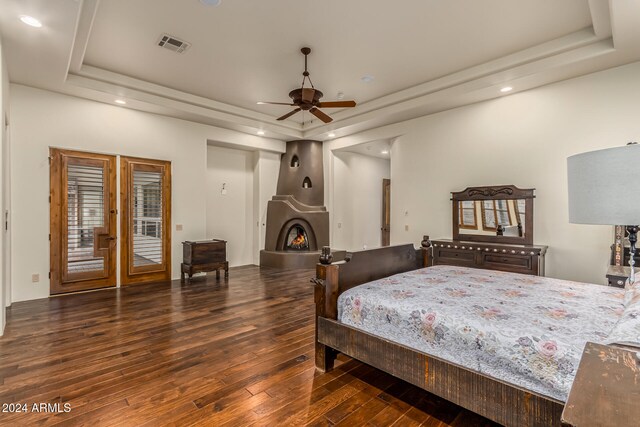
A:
308,98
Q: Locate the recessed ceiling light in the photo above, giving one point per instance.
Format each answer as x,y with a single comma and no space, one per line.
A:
340,96
506,89
384,152
331,135
367,78
120,101
211,2
30,20
260,132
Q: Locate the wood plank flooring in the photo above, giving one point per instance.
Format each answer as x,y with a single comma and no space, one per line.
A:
216,353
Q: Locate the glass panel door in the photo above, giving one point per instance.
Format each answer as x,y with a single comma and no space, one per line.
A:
146,239
83,215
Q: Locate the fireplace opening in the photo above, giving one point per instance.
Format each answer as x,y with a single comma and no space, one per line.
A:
297,239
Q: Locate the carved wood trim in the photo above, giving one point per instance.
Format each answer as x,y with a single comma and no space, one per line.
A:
496,192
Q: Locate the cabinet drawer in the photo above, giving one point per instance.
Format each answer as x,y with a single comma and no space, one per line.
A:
507,261
455,257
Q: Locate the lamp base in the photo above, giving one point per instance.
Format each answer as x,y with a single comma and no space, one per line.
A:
633,238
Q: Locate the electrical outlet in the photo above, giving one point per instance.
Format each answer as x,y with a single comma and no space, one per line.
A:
178,227
406,227
35,278
339,225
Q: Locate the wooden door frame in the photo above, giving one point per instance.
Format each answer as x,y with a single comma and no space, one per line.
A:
59,282
151,273
385,235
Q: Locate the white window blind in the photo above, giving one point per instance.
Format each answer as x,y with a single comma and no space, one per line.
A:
85,212
147,218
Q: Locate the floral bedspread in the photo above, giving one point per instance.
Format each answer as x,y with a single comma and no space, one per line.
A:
525,330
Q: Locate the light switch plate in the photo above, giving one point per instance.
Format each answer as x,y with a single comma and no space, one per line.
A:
178,227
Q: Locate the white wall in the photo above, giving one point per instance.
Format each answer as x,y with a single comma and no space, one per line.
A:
41,119
5,253
357,200
522,139
265,179
230,213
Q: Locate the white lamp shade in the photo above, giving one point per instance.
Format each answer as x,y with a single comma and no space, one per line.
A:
602,186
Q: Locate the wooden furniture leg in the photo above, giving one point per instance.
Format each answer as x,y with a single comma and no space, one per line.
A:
325,357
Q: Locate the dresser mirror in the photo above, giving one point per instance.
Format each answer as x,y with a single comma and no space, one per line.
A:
500,214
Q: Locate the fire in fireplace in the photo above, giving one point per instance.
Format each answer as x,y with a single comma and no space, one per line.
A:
297,238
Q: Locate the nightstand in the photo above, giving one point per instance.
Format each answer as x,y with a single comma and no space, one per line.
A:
618,275
605,391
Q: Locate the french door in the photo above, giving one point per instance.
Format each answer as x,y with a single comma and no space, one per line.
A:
82,221
145,197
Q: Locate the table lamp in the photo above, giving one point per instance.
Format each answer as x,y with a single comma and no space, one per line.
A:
601,185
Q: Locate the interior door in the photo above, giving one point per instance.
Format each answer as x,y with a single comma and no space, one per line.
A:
386,212
145,197
82,221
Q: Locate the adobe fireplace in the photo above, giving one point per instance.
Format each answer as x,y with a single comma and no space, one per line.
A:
297,221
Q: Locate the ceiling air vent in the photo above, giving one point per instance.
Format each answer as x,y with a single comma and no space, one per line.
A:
173,44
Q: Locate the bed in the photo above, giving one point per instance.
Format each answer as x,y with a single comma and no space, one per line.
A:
511,357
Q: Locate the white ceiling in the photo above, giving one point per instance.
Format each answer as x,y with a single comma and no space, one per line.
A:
425,55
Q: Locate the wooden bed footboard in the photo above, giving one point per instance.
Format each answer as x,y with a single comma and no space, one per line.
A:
504,403
357,268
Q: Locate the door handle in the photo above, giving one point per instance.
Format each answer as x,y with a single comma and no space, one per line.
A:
101,241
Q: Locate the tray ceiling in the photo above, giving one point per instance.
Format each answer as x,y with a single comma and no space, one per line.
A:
245,51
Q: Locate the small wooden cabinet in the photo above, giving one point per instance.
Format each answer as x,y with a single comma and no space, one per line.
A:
617,275
203,256
526,259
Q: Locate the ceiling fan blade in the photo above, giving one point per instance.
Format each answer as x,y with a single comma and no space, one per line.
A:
337,104
319,114
307,94
275,103
289,114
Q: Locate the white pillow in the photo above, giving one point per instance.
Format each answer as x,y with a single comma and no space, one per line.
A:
627,330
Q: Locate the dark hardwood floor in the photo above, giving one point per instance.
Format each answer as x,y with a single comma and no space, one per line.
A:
210,352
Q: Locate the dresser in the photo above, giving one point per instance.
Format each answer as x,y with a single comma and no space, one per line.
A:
202,256
525,259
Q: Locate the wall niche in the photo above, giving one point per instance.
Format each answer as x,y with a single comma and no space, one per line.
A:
306,183
295,162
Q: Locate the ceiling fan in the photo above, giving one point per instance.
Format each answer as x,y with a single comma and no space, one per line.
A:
308,98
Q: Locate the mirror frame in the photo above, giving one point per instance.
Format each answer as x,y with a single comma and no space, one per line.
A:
497,192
